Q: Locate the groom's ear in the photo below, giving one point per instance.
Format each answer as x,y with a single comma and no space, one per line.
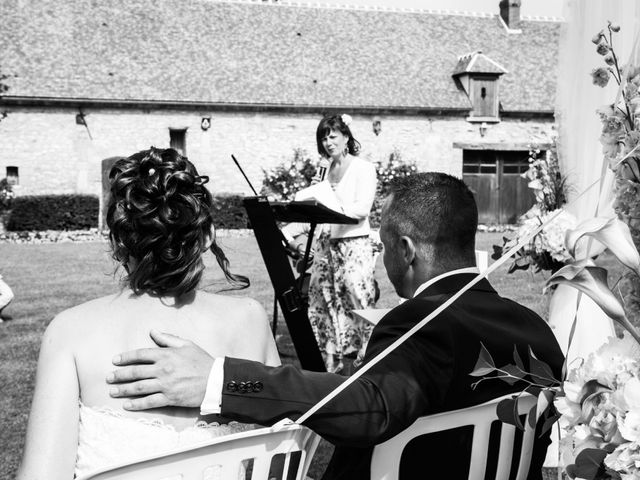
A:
407,250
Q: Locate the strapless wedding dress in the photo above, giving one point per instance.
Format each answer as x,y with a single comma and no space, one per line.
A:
106,437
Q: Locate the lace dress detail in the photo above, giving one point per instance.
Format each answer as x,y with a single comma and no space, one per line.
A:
106,437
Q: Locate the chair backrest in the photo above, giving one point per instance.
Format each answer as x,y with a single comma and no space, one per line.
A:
385,462
261,454
482,260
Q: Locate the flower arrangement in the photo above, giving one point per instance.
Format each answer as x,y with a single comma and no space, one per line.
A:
598,401
620,141
545,179
546,250
600,412
283,181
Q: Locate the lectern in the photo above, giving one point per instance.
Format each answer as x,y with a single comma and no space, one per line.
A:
263,216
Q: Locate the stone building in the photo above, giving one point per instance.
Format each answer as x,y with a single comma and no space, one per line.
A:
88,80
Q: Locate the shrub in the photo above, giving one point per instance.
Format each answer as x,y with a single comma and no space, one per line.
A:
53,212
6,194
284,180
394,167
229,212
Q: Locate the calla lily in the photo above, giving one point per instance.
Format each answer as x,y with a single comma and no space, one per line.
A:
592,281
610,232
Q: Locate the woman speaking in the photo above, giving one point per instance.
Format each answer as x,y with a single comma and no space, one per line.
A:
342,274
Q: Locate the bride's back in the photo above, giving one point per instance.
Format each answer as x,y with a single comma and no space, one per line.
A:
160,219
222,325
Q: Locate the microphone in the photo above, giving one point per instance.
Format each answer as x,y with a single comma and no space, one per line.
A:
322,170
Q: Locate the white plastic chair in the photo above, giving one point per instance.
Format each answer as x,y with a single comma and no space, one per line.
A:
226,458
385,462
482,260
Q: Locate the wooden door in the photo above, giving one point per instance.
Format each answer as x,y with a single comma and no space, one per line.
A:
515,196
495,178
480,173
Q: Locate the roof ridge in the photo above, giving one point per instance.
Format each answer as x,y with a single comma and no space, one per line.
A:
541,18
346,6
465,56
491,60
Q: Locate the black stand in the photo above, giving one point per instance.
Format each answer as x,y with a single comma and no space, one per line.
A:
263,216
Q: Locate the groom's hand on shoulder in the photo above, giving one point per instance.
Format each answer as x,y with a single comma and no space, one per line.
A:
175,374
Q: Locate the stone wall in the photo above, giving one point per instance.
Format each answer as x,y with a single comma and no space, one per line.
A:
56,155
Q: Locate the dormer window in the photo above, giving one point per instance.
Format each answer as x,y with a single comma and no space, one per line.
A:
479,77
483,97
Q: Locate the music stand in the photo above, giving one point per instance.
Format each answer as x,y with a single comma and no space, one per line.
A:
313,213
262,216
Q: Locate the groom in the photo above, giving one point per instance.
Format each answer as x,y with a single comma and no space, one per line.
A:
428,229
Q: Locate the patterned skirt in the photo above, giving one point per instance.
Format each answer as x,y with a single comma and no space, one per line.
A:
342,279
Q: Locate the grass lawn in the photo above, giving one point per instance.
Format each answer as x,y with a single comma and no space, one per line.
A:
49,278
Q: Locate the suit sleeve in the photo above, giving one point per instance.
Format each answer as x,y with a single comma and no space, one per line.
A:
408,383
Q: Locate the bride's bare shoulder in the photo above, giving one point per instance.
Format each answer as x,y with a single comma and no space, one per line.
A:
82,315
248,332
238,306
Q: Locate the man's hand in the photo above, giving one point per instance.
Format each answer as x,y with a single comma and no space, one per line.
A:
174,375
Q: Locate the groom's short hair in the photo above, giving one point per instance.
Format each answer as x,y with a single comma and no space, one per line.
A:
434,209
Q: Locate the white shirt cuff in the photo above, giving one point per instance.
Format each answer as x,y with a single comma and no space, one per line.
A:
212,403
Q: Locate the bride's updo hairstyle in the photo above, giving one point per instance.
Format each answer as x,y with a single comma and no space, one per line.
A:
160,223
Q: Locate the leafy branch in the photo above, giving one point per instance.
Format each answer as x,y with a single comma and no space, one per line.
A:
540,381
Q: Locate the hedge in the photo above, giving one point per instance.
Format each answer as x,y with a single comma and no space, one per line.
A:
53,212
80,212
229,212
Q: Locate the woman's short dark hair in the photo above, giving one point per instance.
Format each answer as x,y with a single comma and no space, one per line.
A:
335,122
160,223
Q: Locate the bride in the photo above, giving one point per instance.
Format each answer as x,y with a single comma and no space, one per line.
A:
160,221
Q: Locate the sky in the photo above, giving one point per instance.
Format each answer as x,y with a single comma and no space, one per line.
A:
547,8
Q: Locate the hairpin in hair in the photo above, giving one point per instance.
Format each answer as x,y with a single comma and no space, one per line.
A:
346,119
201,180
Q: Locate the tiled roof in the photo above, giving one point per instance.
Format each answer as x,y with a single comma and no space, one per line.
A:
477,62
265,54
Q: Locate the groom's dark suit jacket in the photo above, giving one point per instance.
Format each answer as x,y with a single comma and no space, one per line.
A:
429,373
